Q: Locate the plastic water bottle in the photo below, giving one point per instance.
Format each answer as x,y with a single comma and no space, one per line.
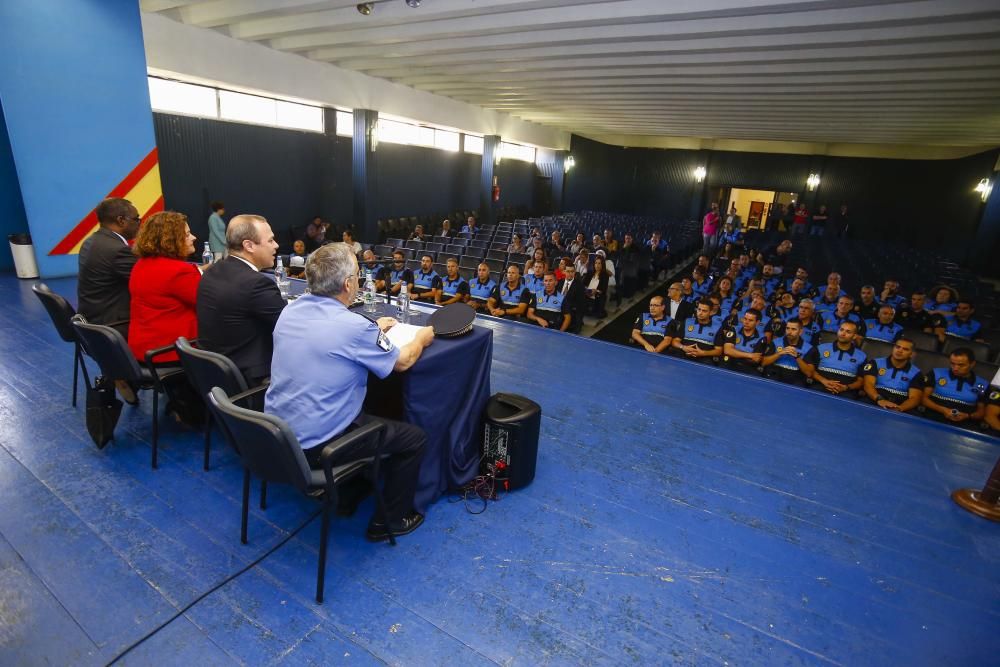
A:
281,278
370,293
207,257
403,303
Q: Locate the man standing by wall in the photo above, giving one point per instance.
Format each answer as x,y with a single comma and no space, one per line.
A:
217,231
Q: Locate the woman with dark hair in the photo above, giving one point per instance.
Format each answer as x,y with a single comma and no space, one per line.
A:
163,285
727,298
517,245
595,284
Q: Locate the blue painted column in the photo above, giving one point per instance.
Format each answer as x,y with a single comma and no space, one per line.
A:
76,106
491,148
364,186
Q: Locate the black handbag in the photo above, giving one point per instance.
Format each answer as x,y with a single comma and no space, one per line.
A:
103,411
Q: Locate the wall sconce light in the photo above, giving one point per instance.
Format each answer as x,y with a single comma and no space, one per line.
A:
812,182
984,189
568,163
365,8
699,174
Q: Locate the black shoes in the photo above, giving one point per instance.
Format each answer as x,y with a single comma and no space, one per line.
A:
378,532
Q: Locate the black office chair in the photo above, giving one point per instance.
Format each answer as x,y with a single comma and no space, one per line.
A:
108,348
876,349
981,351
827,337
269,450
924,341
61,313
205,370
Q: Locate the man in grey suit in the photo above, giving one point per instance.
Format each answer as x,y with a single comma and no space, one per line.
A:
106,262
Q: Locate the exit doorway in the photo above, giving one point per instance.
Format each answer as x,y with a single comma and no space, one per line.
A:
755,207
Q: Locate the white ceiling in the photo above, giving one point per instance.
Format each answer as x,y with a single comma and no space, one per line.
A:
921,73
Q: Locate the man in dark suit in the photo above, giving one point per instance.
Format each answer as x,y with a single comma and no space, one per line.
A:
677,308
572,288
237,305
106,262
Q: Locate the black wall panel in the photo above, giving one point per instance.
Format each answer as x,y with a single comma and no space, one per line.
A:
412,180
517,182
284,175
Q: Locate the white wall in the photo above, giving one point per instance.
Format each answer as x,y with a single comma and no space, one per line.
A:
206,56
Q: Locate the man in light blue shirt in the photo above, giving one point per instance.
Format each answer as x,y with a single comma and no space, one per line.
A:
217,231
323,353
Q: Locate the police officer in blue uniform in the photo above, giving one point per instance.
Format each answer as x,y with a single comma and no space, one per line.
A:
426,281
771,280
549,308
884,328
652,330
510,298
893,382
535,282
890,294
784,358
844,313
376,268
828,302
687,290
743,348
454,288
811,326
318,389
399,275
700,338
959,324
956,395
838,365
481,287
803,275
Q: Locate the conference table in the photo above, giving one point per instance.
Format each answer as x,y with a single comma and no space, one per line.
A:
445,393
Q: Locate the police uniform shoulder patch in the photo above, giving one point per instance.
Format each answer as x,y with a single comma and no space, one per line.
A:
994,395
868,366
729,334
384,342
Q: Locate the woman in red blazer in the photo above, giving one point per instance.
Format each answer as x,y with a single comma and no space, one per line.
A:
163,286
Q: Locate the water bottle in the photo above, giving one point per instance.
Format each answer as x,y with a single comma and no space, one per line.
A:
281,278
403,303
207,257
370,293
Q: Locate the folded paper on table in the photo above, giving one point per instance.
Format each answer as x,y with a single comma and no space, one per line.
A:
401,334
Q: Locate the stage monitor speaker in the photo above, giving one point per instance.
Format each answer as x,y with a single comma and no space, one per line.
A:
510,440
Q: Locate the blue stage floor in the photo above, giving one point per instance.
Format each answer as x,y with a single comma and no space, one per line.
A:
680,515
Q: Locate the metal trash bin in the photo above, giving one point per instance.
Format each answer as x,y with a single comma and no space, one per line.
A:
510,439
24,255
